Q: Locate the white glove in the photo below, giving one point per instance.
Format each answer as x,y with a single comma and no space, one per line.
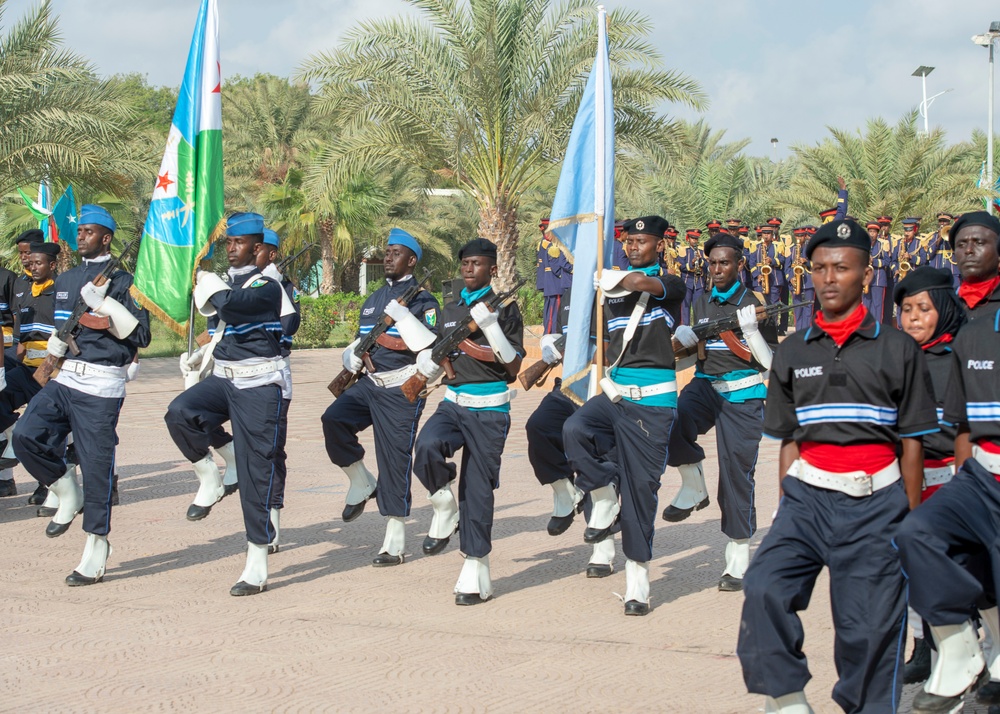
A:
597,282
685,335
550,355
396,311
94,295
748,320
271,271
482,315
56,347
427,367
132,372
191,362
352,363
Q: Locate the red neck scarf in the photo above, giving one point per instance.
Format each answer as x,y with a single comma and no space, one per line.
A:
840,331
975,293
942,340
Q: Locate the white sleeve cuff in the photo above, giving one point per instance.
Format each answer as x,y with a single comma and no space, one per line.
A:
209,284
502,347
414,333
760,350
123,322
611,281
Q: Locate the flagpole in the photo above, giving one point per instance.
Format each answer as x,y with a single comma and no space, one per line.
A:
599,186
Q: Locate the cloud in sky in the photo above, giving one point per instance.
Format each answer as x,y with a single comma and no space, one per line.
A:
771,68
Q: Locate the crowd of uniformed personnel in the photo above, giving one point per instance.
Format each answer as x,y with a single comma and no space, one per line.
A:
890,438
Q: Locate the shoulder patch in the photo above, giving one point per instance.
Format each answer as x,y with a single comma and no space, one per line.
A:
295,295
431,317
260,282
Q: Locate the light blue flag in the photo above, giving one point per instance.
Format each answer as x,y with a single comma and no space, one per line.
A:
586,191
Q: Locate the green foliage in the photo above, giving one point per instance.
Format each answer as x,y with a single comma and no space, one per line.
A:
324,315
532,304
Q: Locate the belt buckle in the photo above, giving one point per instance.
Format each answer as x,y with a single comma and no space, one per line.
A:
865,481
228,371
635,393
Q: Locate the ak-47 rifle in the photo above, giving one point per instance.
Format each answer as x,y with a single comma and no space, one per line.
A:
723,328
346,377
537,373
288,261
415,385
79,318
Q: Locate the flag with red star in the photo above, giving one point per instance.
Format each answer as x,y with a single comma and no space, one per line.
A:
186,211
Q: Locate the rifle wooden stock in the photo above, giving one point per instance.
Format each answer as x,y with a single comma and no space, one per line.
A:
342,381
43,372
535,375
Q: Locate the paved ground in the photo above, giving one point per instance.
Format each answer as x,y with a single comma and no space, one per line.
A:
334,634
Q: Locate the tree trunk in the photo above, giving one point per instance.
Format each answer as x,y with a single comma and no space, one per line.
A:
328,283
498,223
350,279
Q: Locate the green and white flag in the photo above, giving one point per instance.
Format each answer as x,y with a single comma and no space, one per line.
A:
186,211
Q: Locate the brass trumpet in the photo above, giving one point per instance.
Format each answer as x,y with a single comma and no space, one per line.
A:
904,263
765,271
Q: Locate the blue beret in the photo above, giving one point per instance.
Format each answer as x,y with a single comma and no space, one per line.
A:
271,238
245,224
89,213
397,236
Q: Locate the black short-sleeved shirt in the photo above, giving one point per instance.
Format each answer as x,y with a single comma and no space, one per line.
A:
469,370
34,319
252,313
424,306
874,389
8,281
940,363
973,397
719,359
650,346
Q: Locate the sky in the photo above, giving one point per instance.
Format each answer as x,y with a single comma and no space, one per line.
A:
785,69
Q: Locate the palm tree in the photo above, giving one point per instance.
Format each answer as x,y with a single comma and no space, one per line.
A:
711,179
892,170
482,94
57,119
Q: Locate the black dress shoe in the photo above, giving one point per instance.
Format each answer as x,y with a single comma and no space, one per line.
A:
596,535
8,487
559,524
384,560
229,489
37,498
918,667
353,511
433,546
74,579
469,599
241,588
45,511
634,607
729,584
926,703
54,530
196,513
676,515
599,571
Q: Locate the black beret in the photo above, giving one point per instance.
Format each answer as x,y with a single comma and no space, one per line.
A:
975,218
49,249
839,233
647,225
478,246
32,235
724,240
922,279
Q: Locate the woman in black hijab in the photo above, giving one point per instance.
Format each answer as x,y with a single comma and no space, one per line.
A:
930,313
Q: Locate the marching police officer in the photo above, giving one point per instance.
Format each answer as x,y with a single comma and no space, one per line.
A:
375,400
474,416
727,393
244,383
617,442
843,396
86,396
974,239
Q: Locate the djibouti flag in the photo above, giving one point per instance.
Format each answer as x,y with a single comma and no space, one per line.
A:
186,210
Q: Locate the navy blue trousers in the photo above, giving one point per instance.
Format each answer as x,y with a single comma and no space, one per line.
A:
40,445
692,291
623,444
394,419
21,387
738,429
255,414
853,538
950,548
545,440
481,435
804,315
874,302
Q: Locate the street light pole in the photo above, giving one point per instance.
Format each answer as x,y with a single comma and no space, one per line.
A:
774,145
922,72
988,40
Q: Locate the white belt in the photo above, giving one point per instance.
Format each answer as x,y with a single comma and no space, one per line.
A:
853,483
724,387
81,368
990,462
395,377
938,476
481,401
636,393
250,370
